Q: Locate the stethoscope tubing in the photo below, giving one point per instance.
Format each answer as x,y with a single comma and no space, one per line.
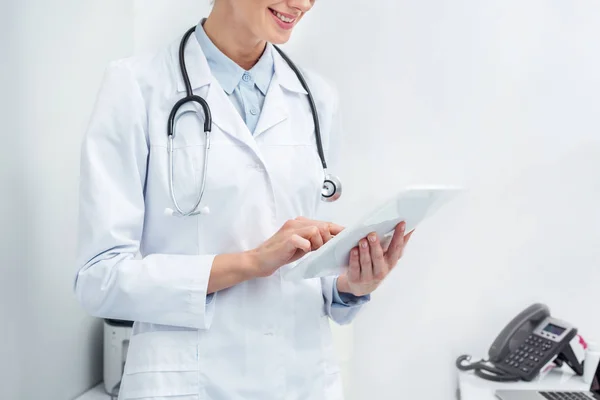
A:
332,185
171,168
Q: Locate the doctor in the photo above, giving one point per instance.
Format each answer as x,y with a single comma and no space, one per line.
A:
214,319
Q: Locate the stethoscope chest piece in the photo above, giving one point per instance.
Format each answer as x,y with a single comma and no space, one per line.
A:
332,188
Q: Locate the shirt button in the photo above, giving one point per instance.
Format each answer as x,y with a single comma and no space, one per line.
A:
253,111
246,77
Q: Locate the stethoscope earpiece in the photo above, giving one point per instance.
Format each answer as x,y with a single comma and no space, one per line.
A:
169,212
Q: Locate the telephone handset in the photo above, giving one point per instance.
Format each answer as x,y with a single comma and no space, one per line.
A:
519,327
530,341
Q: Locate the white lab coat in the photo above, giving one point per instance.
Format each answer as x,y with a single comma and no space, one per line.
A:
262,339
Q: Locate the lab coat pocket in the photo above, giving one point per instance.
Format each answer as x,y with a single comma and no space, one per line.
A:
191,397
159,365
299,176
330,361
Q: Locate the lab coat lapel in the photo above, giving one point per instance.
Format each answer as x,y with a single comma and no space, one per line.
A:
274,109
226,117
224,114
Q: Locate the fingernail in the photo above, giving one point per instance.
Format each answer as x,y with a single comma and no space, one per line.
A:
355,253
372,238
363,244
403,227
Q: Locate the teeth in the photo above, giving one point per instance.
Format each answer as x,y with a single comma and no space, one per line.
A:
283,18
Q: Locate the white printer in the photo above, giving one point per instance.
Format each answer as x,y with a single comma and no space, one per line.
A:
116,343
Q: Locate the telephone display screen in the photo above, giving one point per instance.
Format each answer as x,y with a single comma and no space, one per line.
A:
554,329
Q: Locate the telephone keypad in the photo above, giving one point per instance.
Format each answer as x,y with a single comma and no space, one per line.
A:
528,356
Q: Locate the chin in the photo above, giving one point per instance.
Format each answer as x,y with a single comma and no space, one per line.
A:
279,40
278,37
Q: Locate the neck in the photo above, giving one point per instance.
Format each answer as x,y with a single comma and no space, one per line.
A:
234,40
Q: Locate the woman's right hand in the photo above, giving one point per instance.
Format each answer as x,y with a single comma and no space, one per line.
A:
292,241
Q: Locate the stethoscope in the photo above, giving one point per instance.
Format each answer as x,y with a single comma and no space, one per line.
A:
332,187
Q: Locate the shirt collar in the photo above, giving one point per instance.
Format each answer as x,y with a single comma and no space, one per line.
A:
227,72
263,70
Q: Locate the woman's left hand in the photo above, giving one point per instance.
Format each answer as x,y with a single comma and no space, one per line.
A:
370,263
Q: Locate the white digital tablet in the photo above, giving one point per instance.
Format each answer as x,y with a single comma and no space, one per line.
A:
412,205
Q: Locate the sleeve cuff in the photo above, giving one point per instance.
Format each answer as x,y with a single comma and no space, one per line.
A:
209,311
347,299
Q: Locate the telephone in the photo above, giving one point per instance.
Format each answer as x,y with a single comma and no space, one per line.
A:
529,342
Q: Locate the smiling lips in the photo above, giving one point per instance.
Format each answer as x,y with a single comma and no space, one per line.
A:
285,21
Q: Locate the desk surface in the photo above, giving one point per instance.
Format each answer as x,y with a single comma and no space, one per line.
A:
470,385
97,393
474,388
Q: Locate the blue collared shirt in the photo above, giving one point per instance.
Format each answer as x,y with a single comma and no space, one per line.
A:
247,91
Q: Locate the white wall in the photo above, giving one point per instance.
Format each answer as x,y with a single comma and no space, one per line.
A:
11,232
502,97
59,50
158,22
